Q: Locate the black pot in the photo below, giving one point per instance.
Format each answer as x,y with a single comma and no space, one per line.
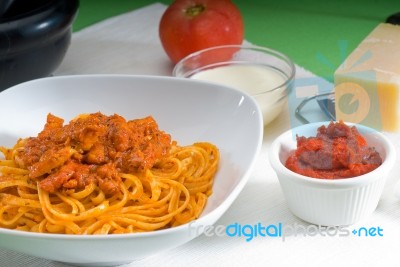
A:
34,37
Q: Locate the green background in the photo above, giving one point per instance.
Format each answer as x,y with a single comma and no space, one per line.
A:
317,35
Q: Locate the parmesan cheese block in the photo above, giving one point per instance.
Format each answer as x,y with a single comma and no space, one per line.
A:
367,84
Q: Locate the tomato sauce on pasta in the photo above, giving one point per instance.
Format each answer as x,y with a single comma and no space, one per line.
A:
103,174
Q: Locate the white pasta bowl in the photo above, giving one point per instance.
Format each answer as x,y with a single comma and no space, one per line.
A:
189,110
331,202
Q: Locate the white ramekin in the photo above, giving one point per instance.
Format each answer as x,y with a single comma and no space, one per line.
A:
331,202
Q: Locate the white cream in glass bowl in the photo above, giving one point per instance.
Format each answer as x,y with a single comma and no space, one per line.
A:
265,74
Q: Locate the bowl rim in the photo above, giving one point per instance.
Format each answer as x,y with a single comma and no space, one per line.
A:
342,183
41,9
288,80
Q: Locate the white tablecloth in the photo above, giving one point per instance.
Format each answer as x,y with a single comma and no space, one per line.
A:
129,44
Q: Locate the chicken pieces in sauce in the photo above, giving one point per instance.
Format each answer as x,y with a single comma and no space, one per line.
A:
93,148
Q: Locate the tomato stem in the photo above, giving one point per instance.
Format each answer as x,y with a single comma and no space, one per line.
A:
195,10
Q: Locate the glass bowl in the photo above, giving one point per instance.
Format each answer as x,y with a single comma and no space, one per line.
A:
265,74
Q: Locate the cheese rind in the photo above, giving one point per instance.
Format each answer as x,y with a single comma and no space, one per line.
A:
367,83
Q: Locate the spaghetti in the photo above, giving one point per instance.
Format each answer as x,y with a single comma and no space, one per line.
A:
103,175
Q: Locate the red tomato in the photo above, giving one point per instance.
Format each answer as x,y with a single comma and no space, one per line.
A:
191,25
